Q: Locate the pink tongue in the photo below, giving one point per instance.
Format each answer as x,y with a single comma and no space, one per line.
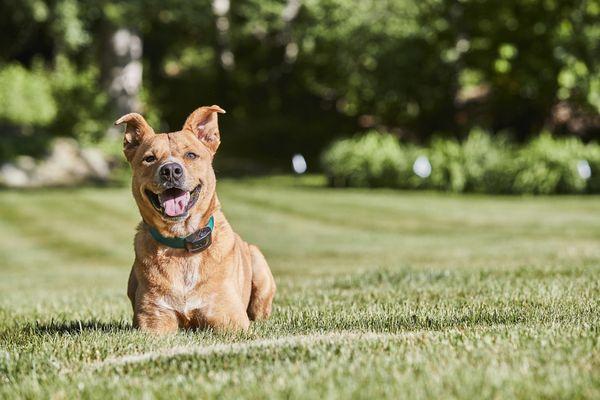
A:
174,203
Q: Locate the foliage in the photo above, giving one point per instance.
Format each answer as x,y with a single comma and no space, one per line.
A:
593,159
486,161
83,109
370,160
26,96
295,74
38,104
548,165
481,163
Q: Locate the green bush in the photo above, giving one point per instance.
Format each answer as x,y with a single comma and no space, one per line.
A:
40,103
481,163
548,165
447,168
372,160
83,113
593,159
488,163
26,96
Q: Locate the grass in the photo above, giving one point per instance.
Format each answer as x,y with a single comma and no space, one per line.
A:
381,294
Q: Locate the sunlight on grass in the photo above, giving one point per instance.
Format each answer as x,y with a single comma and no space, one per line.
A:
458,296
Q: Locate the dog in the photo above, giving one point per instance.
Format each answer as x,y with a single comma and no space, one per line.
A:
191,270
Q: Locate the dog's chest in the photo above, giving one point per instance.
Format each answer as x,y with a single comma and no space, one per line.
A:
187,279
183,280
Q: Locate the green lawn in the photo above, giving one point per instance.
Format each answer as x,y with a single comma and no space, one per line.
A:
381,294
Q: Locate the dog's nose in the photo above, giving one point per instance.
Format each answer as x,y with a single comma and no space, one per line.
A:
171,172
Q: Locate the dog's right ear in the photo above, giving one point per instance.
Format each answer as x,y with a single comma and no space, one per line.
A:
136,129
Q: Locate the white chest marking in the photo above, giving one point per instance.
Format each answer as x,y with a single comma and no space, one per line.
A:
190,278
182,307
183,299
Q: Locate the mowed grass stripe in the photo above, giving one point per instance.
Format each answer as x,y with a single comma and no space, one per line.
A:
72,230
22,250
327,216
312,229
318,211
425,203
438,212
220,349
120,205
308,233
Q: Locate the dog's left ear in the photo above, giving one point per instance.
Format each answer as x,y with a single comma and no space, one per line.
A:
204,124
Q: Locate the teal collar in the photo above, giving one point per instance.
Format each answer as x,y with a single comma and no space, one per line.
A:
196,242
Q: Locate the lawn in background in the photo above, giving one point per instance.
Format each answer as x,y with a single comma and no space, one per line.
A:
380,294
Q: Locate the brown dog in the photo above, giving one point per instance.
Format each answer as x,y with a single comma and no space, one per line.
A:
190,269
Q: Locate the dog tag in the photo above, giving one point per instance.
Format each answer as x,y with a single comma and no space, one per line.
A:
199,241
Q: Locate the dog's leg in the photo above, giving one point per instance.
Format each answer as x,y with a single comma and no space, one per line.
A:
223,312
158,321
263,287
233,321
149,317
132,287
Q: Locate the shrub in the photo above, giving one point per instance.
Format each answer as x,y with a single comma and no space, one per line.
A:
481,163
548,165
488,163
39,103
26,96
593,160
373,159
447,171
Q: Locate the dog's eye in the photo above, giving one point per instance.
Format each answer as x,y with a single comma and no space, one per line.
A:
149,159
191,156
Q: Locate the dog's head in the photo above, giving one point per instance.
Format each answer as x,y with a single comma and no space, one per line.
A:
173,179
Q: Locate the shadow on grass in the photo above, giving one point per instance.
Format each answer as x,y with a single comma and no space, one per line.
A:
78,326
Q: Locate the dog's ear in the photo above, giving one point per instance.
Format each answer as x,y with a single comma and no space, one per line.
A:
136,129
205,125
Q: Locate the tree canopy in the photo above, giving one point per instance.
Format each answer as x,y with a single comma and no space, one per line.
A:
294,74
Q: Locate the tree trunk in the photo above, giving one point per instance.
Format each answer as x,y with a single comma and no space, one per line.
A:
122,70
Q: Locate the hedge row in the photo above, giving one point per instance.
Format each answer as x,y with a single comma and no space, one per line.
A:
481,163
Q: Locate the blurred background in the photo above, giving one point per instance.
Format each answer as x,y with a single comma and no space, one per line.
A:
471,95
449,101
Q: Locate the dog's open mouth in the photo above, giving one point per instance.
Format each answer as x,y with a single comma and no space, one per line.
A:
173,202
